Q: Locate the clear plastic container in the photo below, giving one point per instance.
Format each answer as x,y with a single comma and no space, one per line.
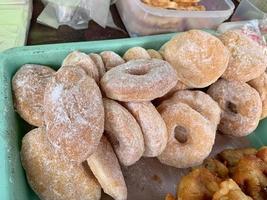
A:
250,9
141,19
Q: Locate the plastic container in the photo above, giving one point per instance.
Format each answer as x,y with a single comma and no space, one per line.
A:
250,9
141,19
144,183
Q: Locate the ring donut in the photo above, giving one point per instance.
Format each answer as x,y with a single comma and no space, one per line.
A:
111,59
240,104
28,85
74,113
152,125
154,54
123,132
191,137
139,80
135,53
99,64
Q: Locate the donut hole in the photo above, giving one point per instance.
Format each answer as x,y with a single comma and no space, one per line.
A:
138,72
180,134
231,107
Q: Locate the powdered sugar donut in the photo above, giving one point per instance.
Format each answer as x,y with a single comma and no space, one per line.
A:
111,59
200,102
247,61
136,53
52,177
74,113
152,125
99,64
139,80
191,136
84,61
198,57
106,168
123,132
240,104
28,85
154,54
260,84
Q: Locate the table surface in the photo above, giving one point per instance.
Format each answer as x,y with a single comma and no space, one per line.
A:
41,34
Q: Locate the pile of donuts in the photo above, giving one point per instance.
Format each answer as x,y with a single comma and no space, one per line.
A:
100,111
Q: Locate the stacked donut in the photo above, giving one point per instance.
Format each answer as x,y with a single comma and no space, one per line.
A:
98,110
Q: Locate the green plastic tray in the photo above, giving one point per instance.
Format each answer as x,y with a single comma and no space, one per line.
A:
13,184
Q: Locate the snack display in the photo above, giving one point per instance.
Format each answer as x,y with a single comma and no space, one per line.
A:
123,132
28,86
52,177
247,60
198,57
139,80
74,113
241,107
136,53
111,59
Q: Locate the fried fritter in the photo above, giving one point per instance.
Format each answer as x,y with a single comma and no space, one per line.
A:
262,154
169,197
216,167
200,184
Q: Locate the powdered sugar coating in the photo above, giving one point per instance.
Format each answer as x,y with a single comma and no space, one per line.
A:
123,132
198,57
106,168
74,113
135,53
51,177
200,136
152,125
84,61
260,84
28,85
240,104
200,102
139,80
247,60
154,54
99,64
111,59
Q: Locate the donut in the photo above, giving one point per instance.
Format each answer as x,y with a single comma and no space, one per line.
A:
200,102
74,113
191,137
84,61
198,57
123,132
28,85
136,53
240,104
247,60
154,54
99,64
139,80
106,168
52,177
111,59
260,84
152,125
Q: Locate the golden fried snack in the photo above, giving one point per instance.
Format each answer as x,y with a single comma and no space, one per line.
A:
198,57
240,104
216,167
247,60
139,80
50,176
106,168
154,54
200,184
260,84
229,190
262,154
135,53
169,197
250,175
84,61
99,64
74,113
28,85
111,59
